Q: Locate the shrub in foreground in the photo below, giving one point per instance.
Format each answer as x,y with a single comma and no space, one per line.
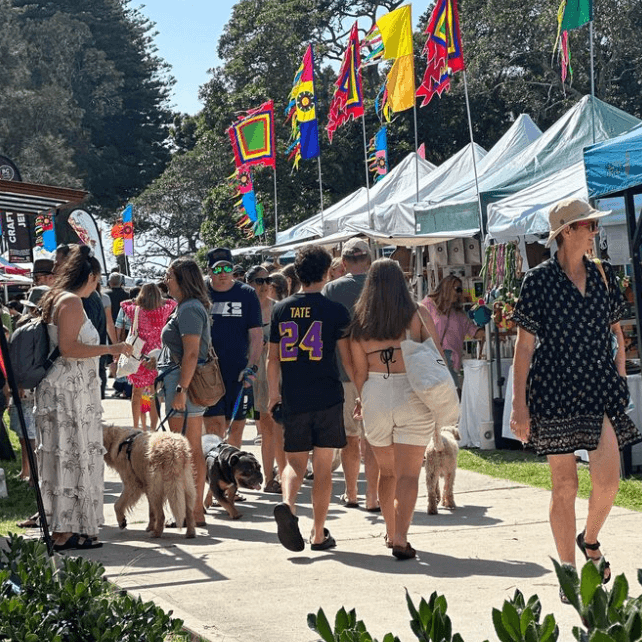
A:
67,599
606,615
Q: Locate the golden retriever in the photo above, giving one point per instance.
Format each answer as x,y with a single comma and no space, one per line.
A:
157,464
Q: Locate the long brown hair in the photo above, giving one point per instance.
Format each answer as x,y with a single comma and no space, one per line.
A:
150,297
190,280
444,296
72,275
385,308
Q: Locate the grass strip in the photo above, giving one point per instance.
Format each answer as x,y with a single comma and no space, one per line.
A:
531,470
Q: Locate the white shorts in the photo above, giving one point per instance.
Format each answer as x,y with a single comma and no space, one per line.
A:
392,412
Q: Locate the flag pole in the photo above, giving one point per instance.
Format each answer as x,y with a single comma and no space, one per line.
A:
321,194
592,78
472,150
414,111
365,158
276,209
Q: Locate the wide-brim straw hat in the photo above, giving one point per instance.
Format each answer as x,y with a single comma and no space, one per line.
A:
569,211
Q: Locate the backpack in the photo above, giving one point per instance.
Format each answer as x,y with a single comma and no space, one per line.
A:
29,353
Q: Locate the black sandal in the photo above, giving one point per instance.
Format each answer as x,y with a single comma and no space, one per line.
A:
583,546
406,552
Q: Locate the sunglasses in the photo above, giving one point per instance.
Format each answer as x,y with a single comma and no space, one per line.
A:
222,269
591,225
259,280
459,289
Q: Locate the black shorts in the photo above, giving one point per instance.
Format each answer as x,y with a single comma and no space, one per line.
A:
303,431
225,405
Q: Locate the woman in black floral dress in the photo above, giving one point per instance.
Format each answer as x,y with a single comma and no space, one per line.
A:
569,393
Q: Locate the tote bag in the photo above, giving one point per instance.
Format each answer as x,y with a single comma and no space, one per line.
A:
129,365
430,379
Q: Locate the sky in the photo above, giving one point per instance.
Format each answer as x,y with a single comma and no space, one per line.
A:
188,33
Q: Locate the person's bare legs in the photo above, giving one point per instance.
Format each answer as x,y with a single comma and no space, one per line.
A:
385,456
193,434
236,433
215,425
562,507
137,394
292,478
321,490
153,413
372,475
271,447
351,462
25,471
408,462
604,467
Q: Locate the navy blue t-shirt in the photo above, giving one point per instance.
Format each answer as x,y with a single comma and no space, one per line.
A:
307,328
234,313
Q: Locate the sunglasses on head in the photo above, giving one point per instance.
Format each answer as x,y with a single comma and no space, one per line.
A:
591,225
259,280
222,269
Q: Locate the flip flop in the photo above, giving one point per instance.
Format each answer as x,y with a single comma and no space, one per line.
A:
288,528
328,542
78,542
31,522
344,500
374,509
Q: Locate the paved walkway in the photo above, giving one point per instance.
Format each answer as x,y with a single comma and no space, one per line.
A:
235,582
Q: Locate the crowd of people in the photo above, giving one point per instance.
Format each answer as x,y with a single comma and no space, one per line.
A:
313,352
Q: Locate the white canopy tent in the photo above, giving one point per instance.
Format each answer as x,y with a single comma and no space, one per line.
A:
457,174
354,207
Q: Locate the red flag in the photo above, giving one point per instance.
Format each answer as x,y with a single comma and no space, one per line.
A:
252,137
422,150
443,50
347,101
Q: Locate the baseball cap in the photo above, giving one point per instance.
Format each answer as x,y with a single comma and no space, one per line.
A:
219,255
355,248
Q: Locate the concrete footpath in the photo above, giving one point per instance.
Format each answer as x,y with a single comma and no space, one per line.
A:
235,582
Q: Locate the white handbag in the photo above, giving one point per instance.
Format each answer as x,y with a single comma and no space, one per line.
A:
129,365
431,380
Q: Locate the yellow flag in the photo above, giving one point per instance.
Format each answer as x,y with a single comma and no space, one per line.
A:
396,32
401,84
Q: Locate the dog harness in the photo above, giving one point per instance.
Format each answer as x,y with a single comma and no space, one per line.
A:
128,443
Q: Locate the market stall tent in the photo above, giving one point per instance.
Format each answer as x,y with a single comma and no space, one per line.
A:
560,147
354,207
394,216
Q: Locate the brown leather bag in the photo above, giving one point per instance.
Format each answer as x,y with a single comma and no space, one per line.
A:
207,387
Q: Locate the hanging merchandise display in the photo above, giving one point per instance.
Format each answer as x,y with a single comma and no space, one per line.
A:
501,275
45,234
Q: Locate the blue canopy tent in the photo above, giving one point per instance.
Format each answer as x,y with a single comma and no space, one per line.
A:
614,168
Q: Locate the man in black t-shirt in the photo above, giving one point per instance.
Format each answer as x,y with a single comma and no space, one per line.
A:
237,338
306,331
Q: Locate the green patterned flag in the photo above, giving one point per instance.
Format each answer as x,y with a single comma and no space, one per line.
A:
577,13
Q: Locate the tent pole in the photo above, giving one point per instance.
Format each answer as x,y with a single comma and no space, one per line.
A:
414,112
592,79
321,195
634,250
472,150
365,160
276,210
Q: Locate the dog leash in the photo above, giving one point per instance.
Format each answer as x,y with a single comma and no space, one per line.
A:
237,405
161,425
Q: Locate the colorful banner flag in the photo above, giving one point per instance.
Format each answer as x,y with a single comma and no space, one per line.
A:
128,230
421,151
443,50
576,13
86,228
379,154
45,232
252,137
391,39
301,110
18,237
250,211
347,101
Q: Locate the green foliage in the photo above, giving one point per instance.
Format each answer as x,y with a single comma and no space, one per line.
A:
346,628
52,600
606,615
518,621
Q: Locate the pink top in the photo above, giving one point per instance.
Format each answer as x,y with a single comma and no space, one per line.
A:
150,324
451,330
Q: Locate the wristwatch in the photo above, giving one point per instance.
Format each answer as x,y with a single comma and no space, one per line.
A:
179,388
